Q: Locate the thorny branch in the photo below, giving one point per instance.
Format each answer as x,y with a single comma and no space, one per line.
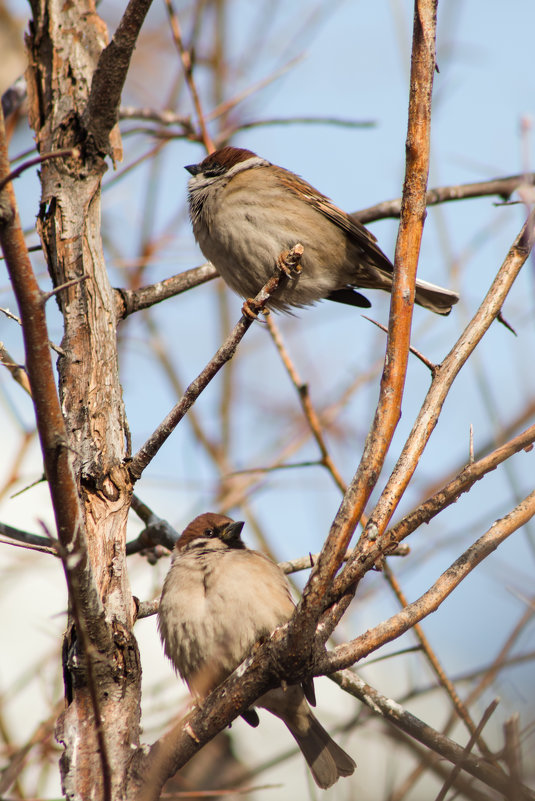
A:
429,413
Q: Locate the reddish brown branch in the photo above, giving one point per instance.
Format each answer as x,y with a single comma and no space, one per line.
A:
393,378
56,154
346,655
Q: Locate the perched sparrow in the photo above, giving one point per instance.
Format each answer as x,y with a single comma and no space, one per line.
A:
246,211
219,598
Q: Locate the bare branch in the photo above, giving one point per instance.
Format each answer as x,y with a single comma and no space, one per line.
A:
503,187
147,451
468,747
394,713
102,110
187,63
306,405
430,411
460,708
346,655
460,484
129,301
17,370
27,537
387,413
69,151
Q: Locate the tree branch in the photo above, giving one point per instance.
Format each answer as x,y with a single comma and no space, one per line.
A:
102,110
462,483
394,713
303,624
346,655
502,187
151,447
129,301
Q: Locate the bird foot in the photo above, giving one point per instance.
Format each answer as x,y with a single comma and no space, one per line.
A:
250,309
289,261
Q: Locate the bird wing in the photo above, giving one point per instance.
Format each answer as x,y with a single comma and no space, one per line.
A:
359,235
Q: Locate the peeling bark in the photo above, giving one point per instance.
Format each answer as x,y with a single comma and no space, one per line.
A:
102,671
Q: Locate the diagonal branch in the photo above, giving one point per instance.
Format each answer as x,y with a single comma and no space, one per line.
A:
393,378
346,655
102,110
394,713
444,377
151,447
462,483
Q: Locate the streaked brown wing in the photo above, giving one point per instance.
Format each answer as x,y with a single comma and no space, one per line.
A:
360,235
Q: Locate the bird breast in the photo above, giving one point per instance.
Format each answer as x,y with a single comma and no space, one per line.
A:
215,606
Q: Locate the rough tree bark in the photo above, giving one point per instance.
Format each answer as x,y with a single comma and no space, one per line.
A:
64,45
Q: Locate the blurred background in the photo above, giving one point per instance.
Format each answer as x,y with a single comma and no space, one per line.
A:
320,88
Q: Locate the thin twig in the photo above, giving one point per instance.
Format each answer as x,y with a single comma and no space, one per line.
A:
394,713
147,451
65,285
489,711
56,154
187,63
306,404
432,367
432,658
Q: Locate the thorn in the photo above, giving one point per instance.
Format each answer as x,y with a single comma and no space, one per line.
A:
501,319
189,730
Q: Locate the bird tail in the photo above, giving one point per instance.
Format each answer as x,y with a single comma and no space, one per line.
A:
435,298
430,296
326,760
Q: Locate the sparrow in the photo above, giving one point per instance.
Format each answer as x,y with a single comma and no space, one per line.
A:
246,212
219,600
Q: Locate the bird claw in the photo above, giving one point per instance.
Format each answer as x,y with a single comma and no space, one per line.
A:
289,261
250,309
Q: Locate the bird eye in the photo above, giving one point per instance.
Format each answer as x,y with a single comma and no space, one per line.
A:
209,532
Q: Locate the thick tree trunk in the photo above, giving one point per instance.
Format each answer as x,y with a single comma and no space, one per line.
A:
64,44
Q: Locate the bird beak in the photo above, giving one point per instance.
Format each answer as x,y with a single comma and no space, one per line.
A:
193,169
232,531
